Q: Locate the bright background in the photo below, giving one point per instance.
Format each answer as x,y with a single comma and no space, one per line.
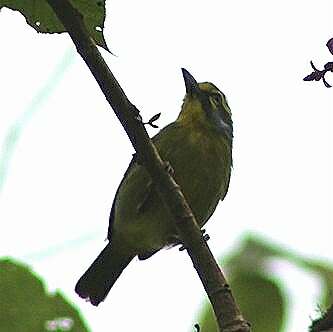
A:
63,152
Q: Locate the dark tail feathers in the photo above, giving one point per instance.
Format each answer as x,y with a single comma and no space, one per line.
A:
97,281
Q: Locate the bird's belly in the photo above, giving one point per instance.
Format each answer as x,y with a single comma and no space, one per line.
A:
202,181
142,217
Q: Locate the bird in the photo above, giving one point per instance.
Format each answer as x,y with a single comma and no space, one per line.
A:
198,148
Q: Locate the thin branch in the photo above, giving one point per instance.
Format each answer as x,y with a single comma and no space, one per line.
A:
225,308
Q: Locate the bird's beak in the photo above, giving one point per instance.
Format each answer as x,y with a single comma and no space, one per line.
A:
192,86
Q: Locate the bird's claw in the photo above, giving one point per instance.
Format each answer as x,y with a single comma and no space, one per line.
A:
206,237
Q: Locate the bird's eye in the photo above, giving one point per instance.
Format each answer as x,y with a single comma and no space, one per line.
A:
216,98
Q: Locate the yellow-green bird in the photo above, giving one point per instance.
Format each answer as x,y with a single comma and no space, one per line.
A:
198,146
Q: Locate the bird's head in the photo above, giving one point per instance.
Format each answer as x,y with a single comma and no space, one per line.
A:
205,106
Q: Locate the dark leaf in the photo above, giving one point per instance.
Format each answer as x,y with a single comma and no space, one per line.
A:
155,117
330,45
41,17
310,77
329,66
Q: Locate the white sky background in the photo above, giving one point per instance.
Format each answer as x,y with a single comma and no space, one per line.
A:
72,151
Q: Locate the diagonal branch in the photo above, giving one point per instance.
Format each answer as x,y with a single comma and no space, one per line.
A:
227,313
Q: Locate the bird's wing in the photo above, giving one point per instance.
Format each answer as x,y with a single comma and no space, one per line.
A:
158,140
226,189
161,140
112,213
223,194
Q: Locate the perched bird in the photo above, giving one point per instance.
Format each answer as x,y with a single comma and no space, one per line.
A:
198,146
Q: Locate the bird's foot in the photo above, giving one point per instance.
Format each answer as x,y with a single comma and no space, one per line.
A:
206,237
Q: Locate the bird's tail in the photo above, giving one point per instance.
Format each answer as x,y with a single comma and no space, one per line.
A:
97,281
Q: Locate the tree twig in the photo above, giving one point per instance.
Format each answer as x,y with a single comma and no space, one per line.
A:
226,311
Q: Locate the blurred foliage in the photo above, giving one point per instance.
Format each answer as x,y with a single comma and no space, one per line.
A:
26,307
42,18
259,293
253,292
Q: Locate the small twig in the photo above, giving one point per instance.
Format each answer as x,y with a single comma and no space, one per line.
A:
152,120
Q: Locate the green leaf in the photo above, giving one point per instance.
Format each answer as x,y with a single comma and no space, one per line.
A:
255,252
324,271
26,307
261,302
41,17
